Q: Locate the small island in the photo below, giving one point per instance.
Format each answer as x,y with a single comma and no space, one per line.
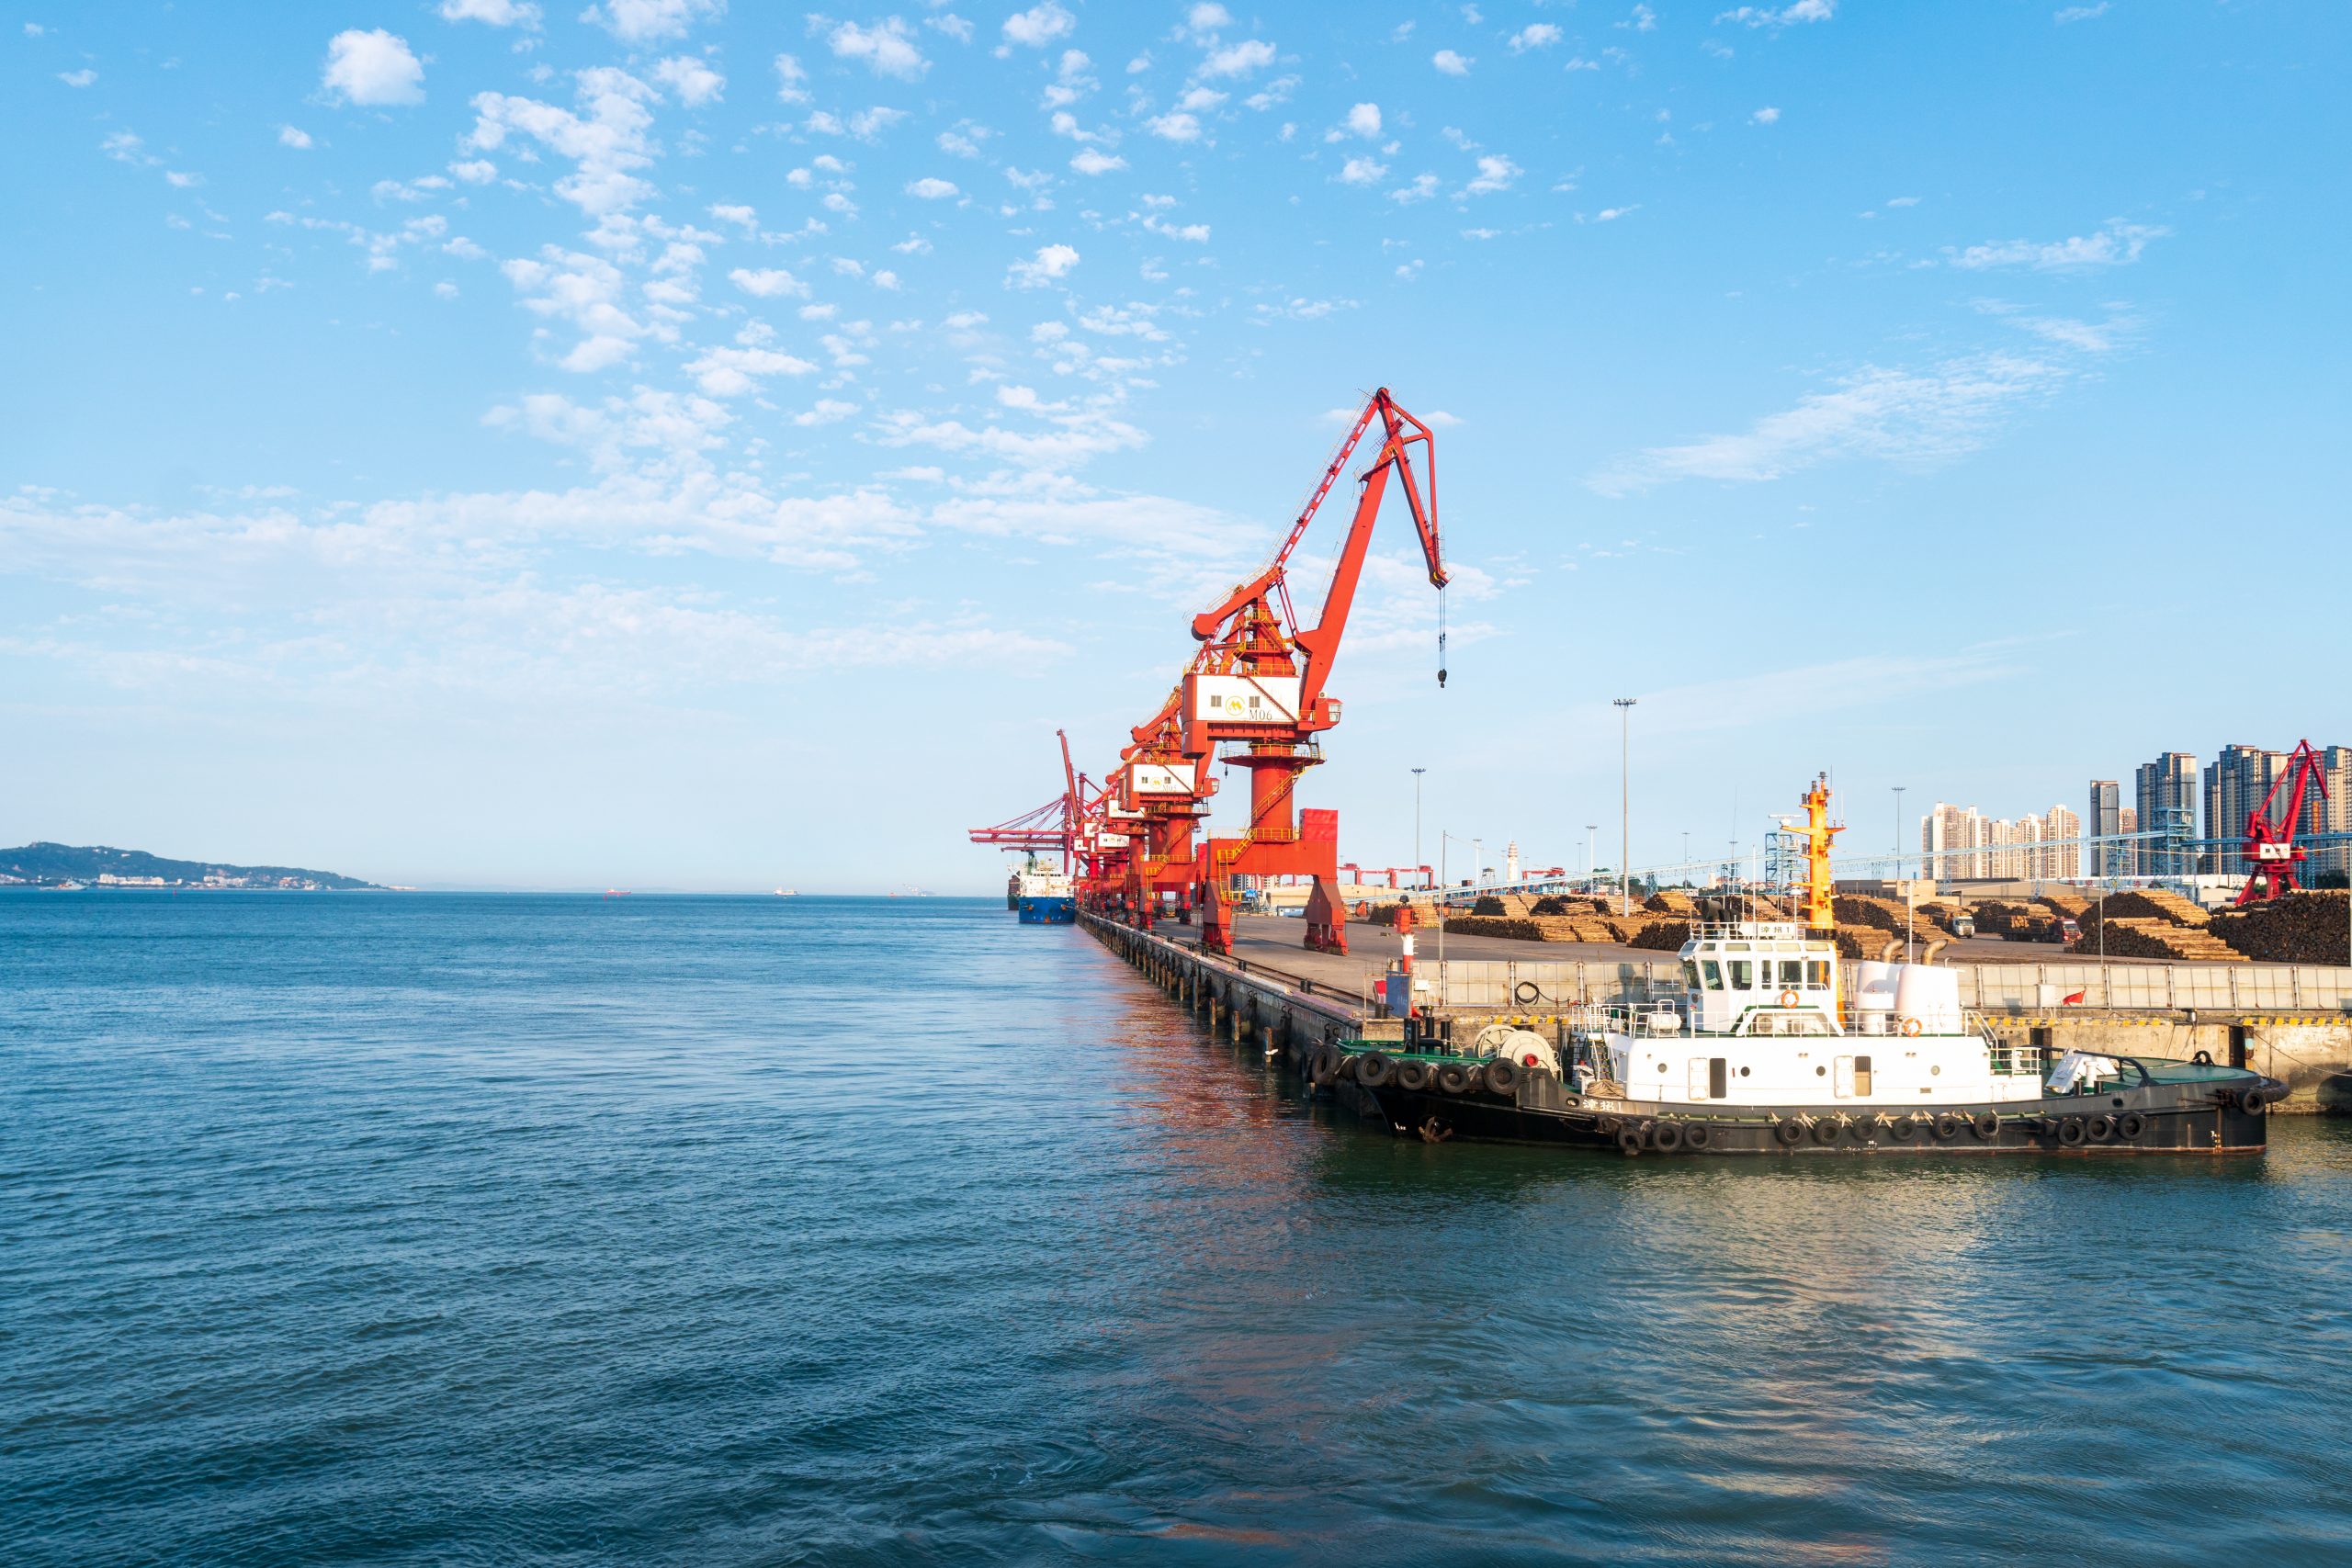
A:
68,867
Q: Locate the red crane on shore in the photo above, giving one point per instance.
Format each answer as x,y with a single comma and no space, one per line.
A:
1049,829
1259,680
2270,847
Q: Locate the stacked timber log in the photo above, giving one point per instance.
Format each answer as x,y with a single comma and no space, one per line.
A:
1672,901
2071,905
2137,925
1637,931
1886,914
1664,935
2302,928
2015,922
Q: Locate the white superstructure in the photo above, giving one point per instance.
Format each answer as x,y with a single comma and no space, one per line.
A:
1762,1023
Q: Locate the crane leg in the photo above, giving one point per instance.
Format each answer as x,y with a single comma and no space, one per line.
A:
1217,931
1327,920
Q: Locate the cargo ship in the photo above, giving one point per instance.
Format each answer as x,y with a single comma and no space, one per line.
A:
1760,1054
1043,896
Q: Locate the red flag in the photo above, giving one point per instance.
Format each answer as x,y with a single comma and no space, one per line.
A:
2070,1001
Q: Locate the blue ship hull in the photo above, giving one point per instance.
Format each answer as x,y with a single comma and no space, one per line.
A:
1038,910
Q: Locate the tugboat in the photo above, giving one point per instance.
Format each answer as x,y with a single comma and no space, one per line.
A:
1044,895
1760,1054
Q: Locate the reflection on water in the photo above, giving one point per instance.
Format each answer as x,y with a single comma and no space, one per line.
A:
770,1231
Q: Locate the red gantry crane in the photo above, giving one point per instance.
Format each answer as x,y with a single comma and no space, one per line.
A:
1051,828
1257,682
2270,847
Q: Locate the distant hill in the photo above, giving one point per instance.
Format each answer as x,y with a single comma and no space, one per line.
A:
48,865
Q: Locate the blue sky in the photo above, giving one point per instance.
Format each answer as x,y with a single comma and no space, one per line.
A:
700,444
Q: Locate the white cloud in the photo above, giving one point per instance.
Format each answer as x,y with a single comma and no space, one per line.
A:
791,80
81,78
1051,261
2118,245
1915,418
1765,17
1207,18
1174,126
476,172
826,410
496,13
288,136
1610,214
1768,114
732,372
1495,173
1535,35
1423,188
606,140
1091,162
767,283
1642,20
1240,59
1363,172
886,48
2079,13
373,68
1453,64
1364,120
692,79
932,189
1039,26
649,21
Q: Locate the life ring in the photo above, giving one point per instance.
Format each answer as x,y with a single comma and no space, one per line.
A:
2100,1128
2254,1102
1374,1069
1947,1127
1790,1131
2070,1131
1412,1076
1324,1065
1911,1027
1788,998
1666,1137
2203,1058
1697,1136
1629,1138
2129,1125
1905,1128
1986,1126
1502,1077
1825,1130
1454,1077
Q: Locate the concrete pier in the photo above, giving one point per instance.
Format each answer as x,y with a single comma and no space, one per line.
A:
2292,1022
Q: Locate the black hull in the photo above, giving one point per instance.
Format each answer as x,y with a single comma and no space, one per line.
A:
2155,1119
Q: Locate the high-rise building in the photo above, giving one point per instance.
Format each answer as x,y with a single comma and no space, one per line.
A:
2128,856
1949,836
2062,831
2104,821
2235,786
2165,799
2333,815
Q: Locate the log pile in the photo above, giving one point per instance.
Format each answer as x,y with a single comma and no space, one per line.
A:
1672,901
2115,934
2302,928
1665,936
1637,931
2153,904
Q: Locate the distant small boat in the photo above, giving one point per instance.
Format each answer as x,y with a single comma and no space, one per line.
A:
787,893
616,892
68,887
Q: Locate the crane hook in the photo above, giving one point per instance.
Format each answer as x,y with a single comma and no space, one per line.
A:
1440,640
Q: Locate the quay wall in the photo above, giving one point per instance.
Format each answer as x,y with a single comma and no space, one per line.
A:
2290,1022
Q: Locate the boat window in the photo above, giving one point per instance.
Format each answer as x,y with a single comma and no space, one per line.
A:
1718,1081
1743,975
1791,971
1714,974
1690,973
1862,1075
1816,974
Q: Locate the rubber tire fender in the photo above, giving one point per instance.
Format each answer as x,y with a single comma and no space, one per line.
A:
2101,1128
2254,1102
1324,1065
2071,1133
1697,1136
1374,1069
1905,1127
1825,1130
1454,1077
1948,1126
1986,1126
1666,1137
2129,1125
1630,1137
1791,1132
1413,1076
1502,1077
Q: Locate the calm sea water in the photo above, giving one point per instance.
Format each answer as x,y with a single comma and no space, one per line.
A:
712,1231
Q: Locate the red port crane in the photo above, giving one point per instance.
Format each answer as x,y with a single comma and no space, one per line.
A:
1257,681
1051,828
2270,847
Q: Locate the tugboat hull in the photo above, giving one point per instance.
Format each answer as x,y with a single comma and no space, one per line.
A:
1039,910
2225,1114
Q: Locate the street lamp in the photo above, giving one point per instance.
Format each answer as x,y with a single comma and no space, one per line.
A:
1591,851
1898,831
1416,817
1624,706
